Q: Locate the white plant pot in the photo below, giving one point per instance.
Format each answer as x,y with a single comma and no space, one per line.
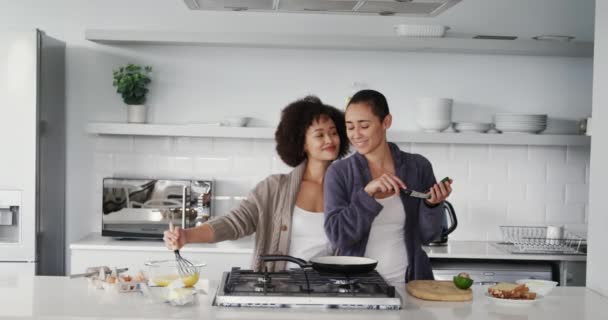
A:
136,113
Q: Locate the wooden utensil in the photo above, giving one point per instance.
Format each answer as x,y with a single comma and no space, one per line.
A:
438,291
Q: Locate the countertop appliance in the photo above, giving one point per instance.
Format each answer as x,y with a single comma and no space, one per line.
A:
305,287
32,167
448,225
493,272
142,208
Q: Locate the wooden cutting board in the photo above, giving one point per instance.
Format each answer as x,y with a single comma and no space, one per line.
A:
438,291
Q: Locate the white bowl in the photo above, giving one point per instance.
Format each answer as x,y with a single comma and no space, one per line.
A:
235,121
430,125
541,287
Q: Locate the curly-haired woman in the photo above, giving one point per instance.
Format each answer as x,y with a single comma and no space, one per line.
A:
285,211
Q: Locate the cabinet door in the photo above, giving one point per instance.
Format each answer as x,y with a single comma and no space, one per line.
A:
216,263
572,273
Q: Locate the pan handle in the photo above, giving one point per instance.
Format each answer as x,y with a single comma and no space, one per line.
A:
298,261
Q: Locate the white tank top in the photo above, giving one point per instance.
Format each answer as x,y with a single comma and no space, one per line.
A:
308,239
386,241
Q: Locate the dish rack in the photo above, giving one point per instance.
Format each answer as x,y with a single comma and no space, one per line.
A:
527,239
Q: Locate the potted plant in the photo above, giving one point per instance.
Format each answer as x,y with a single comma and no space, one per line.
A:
130,82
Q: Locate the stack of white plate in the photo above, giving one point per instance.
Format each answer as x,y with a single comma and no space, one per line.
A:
471,127
520,123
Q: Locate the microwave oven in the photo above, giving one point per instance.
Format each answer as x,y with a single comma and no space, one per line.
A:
142,208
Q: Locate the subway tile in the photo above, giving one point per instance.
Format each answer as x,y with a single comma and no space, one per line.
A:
526,213
251,166
164,167
124,164
513,153
470,152
527,172
228,146
405,147
562,214
509,192
231,187
468,191
213,166
146,166
152,145
221,206
565,173
193,146
182,167
264,147
547,193
577,193
578,154
278,166
457,170
103,162
487,172
433,152
487,213
549,154
113,144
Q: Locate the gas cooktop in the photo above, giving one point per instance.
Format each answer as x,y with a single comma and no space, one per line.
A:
305,287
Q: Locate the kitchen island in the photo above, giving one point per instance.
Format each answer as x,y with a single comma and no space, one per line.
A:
35,297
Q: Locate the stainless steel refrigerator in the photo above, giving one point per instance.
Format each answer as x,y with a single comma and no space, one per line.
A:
33,152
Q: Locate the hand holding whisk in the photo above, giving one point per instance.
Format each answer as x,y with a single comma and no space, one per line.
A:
185,268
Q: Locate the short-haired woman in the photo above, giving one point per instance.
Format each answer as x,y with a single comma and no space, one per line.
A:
285,211
365,212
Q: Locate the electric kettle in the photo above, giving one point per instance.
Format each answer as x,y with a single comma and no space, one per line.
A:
448,225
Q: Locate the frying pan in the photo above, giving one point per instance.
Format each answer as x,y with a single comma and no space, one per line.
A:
329,264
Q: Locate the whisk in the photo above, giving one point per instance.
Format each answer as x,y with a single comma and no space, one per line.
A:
185,268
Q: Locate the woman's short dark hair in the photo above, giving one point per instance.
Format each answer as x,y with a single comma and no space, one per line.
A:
296,118
375,99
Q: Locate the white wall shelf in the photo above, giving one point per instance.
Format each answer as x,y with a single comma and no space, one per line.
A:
344,42
208,131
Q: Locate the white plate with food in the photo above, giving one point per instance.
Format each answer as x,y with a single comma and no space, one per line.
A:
513,302
512,294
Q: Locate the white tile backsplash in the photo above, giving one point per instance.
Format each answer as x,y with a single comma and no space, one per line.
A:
512,191
577,155
577,193
565,173
433,152
527,172
548,154
470,152
526,213
488,171
513,153
152,145
547,193
493,185
565,214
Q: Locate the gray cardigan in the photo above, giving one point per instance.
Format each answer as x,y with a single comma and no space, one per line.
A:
350,211
267,212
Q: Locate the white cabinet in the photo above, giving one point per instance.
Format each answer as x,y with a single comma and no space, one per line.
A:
95,250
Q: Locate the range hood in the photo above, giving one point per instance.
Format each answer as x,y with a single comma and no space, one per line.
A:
413,8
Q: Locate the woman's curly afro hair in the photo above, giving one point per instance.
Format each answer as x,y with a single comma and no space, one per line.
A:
296,118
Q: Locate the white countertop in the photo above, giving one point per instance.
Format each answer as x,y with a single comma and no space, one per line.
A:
490,250
31,297
454,249
95,241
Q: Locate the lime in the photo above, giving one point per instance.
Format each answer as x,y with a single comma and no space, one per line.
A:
463,282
